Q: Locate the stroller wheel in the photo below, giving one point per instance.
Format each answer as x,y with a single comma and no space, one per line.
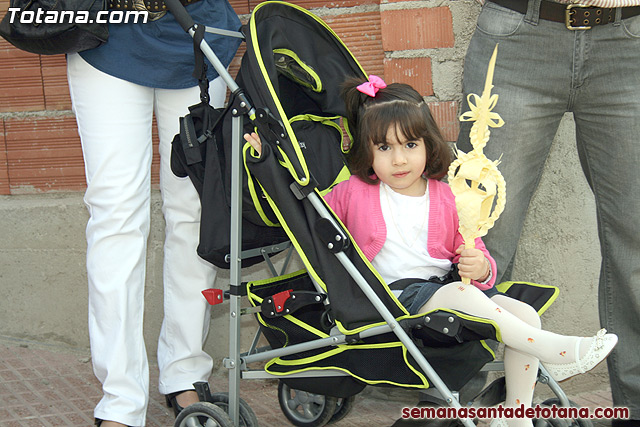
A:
247,416
305,409
550,422
203,414
343,407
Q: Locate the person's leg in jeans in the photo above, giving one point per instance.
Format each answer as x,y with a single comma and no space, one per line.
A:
607,114
114,122
181,358
533,94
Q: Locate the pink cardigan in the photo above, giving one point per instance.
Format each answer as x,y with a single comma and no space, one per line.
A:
357,204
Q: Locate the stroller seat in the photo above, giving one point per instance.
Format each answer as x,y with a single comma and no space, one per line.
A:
452,341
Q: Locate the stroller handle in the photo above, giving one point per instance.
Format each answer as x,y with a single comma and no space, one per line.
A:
188,25
180,13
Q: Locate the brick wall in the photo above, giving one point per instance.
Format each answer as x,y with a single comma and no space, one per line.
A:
39,145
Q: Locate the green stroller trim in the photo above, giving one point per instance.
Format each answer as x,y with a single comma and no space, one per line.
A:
252,190
424,383
305,179
312,80
515,290
339,357
256,300
292,330
329,121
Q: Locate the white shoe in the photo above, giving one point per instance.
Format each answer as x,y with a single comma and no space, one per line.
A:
499,422
601,346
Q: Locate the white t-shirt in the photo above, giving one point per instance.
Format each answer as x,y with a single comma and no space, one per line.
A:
404,253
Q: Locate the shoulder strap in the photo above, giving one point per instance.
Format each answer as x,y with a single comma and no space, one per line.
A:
200,68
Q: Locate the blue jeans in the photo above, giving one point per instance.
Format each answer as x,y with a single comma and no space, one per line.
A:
543,71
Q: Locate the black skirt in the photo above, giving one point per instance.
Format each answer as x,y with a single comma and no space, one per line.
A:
416,295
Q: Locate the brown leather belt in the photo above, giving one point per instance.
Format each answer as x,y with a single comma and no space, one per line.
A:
574,16
156,8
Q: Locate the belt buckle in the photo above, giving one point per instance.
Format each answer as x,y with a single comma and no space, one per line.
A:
153,16
567,16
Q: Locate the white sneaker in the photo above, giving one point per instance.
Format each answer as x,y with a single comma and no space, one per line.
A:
601,346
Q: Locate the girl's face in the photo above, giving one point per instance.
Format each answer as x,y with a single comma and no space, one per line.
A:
400,163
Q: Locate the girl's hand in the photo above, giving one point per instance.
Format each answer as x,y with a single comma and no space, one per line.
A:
253,139
472,264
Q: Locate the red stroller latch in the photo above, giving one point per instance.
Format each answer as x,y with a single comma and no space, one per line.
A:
213,296
280,299
288,302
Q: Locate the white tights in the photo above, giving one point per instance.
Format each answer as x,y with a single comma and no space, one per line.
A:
525,343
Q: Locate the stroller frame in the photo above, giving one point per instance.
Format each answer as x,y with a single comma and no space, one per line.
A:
236,363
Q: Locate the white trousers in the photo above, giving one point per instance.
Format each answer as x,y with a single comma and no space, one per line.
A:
114,121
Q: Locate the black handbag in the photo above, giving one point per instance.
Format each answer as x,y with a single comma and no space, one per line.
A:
202,151
40,26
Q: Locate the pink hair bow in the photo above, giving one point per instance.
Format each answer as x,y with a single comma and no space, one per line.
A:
371,87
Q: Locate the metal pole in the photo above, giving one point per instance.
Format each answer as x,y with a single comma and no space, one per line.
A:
233,363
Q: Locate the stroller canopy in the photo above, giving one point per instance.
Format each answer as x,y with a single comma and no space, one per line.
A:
293,68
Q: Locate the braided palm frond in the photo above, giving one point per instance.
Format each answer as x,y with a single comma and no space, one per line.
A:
477,184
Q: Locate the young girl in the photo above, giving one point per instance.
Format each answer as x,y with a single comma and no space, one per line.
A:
405,221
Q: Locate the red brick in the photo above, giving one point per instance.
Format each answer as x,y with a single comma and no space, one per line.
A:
413,71
56,88
445,114
362,34
21,82
240,6
44,154
424,28
310,4
4,174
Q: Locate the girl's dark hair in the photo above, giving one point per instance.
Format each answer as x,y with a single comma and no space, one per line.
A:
369,119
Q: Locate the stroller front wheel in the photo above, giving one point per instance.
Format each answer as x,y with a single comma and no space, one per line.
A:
343,407
247,416
203,414
306,409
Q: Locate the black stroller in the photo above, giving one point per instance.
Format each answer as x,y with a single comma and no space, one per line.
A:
335,326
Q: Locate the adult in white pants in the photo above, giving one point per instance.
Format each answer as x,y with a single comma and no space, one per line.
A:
114,121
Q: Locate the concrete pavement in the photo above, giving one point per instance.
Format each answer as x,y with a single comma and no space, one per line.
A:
46,385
